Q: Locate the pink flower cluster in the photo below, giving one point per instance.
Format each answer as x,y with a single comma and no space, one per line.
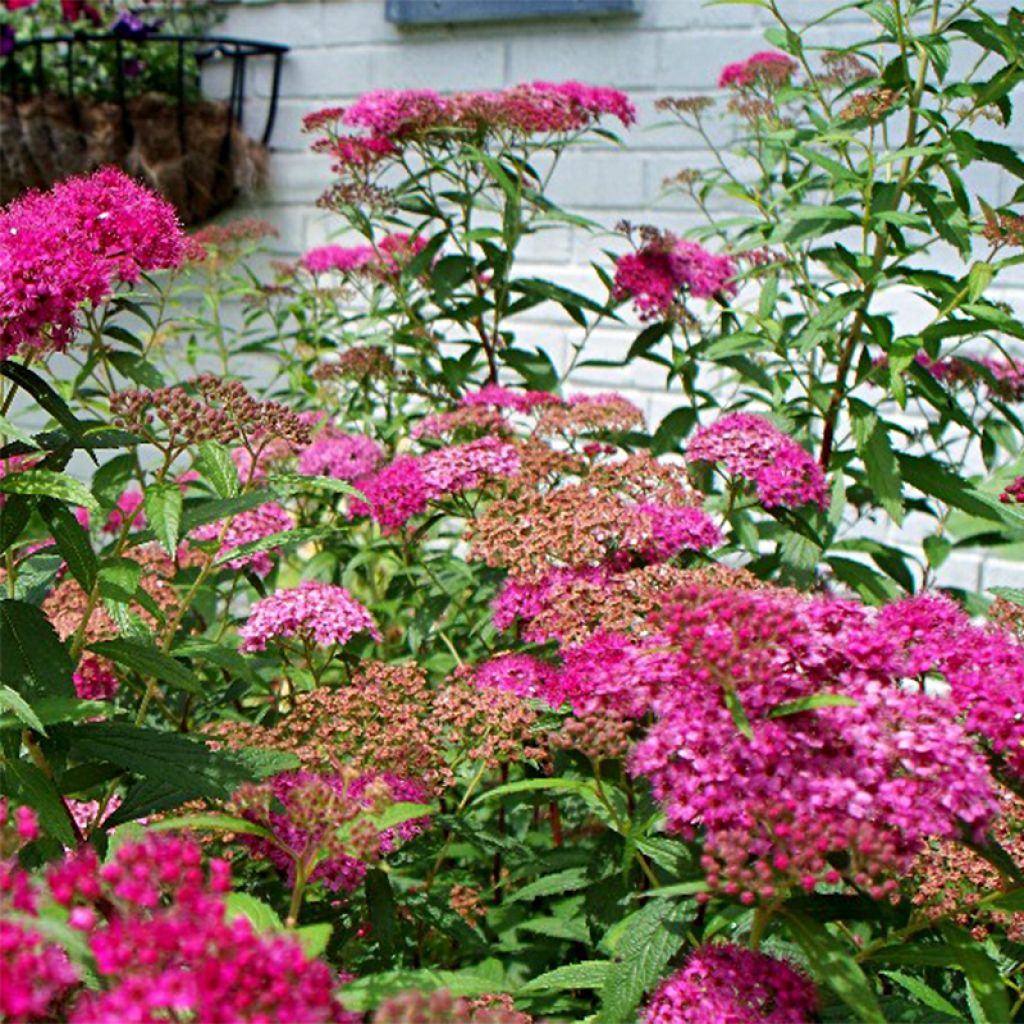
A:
752,448
769,69
310,809
521,674
391,119
340,456
518,400
383,261
403,488
253,525
1007,375
94,679
726,983
657,273
316,613
66,247
777,792
163,947
660,532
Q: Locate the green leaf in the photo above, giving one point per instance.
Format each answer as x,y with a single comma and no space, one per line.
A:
161,756
645,943
981,972
215,509
923,993
586,974
932,478
569,880
149,662
314,938
216,466
72,542
978,279
22,710
42,393
119,579
835,966
880,463
1013,594
39,792
33,661
402,811
817,700
163,507
50,484
383,912
260,915
211,823
739,714
53,710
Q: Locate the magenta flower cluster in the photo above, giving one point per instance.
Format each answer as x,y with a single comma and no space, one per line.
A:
317,613
67,247
869,774
155,920
726,984
661,271
751,448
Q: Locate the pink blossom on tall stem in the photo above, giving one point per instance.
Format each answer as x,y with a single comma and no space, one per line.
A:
727,983
67,247
321,614
252,525
665,267
752,448
770,69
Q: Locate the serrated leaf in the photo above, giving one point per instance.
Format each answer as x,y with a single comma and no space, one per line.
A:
53,710
162,504
647,941
216,466
1015,595
33,661
587,974
72,542
569,880
20,708
49,484
39,792
835,966
190,763
314,938
149,662
923,993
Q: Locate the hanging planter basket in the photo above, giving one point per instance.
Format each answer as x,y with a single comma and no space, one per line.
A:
191,149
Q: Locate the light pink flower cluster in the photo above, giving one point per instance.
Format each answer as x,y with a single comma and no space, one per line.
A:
163,945
305,813
727,983
752,448
663,268
769,69
245,528
385,260
1006,376
66,247
340,456
777,793
521,674
317,613
517,400
403,488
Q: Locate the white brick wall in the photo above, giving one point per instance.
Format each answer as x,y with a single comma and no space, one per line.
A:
341,48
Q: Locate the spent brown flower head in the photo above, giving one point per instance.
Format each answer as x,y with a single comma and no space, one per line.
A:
951,879
871,106
685,106
441,1007
843,69
390,719
362,363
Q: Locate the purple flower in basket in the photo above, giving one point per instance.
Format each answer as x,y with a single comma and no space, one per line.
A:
130,26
